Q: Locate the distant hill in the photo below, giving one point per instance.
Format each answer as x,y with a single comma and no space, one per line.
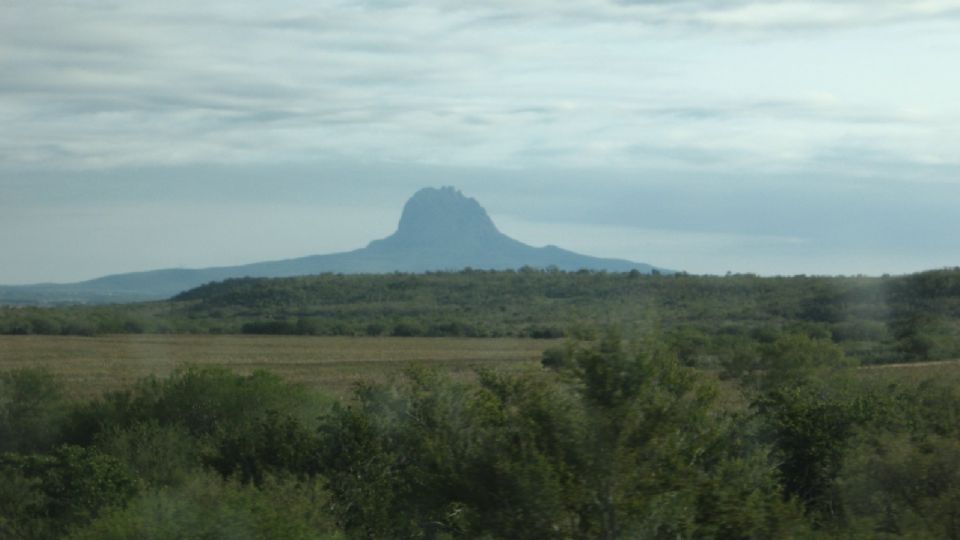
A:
440,229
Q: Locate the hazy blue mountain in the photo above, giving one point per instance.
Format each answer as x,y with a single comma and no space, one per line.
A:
440,229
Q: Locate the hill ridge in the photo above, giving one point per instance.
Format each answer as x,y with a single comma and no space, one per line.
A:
439,229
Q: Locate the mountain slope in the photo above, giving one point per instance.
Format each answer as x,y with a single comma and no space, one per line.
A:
440,229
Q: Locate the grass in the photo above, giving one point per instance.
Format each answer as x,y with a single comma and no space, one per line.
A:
945,371
90,366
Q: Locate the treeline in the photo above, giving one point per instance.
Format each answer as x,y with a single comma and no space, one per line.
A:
875,320
610,440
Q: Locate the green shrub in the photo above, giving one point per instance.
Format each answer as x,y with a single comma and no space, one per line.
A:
554,358
271,327
32,410
205,401
67,488
809,424
543,332
624,443
375,329
158,455
272,445
894,487
207,508
407,328
21,502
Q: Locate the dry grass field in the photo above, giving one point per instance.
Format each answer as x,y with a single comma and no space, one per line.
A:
90,366
946,371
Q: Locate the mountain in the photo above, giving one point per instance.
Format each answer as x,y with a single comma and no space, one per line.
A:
440,229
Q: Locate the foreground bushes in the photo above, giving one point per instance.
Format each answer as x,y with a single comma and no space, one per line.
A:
613,440
32,410
156,439
206,507
627,447
45,495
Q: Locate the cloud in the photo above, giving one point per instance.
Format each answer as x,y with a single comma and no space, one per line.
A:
580,83
735,123
785,15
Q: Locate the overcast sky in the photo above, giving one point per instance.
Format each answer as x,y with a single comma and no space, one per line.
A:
775,137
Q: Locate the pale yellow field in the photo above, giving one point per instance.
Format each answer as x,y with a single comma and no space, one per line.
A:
90,366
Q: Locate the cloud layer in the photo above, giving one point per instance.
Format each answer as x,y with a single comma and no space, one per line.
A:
585,99
100,84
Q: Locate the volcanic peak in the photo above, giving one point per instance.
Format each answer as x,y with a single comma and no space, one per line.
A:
441,216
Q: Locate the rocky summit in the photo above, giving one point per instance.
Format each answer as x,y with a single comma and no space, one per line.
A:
439,229
453,229
441,217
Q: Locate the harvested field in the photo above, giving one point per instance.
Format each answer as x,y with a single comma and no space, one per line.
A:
92,365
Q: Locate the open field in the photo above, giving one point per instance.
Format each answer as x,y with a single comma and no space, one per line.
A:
943,371
92,365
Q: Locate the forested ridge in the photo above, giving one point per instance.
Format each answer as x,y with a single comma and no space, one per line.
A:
874,319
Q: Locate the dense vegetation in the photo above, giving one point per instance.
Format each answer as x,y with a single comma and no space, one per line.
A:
709,320
611,439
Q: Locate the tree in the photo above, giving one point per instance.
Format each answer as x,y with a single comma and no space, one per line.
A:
67,488
32,410
619,442
809,424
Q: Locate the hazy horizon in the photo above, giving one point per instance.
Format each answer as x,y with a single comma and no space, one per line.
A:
787,137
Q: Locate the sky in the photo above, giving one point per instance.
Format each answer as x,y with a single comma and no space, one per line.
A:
778,137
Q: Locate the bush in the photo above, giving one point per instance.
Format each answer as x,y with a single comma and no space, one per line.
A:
44,325
207,508
20,503
159,455
274,445
810,424
375,329
205,401
624,444
892,486
446,329
407,328
271,327
860,330
544,332
67,488
32,410
554,358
